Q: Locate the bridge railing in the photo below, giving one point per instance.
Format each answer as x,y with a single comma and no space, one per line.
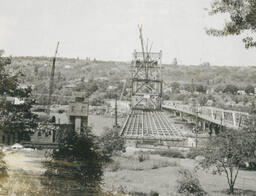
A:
229,118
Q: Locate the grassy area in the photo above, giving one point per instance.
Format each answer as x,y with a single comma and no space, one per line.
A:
98,128
133,163
172,153
159,174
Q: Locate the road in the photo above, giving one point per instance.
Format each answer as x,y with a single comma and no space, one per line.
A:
24,172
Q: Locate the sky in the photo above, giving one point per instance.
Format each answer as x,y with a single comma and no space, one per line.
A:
108,30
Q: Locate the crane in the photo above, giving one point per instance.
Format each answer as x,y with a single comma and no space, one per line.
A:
51,84
142,43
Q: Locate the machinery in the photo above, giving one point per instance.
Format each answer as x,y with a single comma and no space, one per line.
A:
51,84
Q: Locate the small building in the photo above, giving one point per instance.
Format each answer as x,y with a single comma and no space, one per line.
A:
78,112
111,88
209,102
241,92
210,91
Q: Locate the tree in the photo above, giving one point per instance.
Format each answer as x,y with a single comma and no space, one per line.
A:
249,89
175,86
175,62
17,119
76,167
202,100
111,141
89,87
219,89
230,88
36,68
242,14
188,87
201,88
189,184
206,64
228,151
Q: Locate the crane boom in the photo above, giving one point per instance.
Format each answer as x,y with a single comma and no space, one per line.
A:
51,84
142,44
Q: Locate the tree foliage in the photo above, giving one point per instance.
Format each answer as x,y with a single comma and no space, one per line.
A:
89,87
175,87
15,117
228,151
249,89
188,184
201,88
76,167
111,142
230,88
242,15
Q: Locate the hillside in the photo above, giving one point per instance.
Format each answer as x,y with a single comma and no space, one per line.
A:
105,79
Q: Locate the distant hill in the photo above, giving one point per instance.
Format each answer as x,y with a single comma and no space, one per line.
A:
70,69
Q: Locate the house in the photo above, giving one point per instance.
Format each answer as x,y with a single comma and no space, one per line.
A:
241,92
209,102
210,91
14,100
111,88
67,66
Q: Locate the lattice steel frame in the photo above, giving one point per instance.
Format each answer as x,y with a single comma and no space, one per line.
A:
147,81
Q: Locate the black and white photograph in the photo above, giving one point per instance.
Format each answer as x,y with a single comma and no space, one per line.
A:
127,97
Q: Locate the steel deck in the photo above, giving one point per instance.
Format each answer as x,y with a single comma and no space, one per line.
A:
154,125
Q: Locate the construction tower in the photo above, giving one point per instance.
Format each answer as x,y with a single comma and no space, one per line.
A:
146,79
146,121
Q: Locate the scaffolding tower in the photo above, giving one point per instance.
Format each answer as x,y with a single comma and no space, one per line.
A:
147,81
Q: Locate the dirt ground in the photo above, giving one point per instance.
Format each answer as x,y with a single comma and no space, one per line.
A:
28,160
24,171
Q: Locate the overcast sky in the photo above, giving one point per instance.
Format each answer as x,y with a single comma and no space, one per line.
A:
108,30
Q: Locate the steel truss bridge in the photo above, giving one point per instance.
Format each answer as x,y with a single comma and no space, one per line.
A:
226,118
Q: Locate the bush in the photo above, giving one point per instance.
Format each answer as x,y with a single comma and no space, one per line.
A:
161,164
193,153
143,157
188,184
170,153
153,193
73,161
111,142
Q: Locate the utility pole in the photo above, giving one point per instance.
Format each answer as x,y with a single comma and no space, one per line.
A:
196,126
192,87
195,103
116,125
51,84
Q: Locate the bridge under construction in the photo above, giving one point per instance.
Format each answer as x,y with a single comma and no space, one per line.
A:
150,125
147,121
